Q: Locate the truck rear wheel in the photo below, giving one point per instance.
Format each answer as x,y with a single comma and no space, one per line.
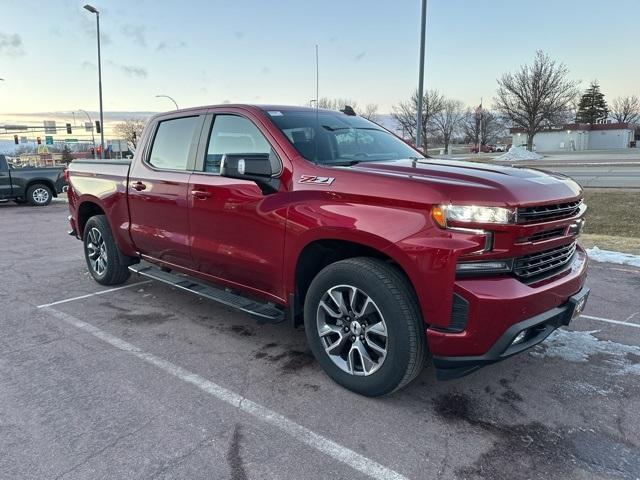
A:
364,327
39,195
101,253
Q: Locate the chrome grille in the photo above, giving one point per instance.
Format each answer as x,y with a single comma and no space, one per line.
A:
545,213
538,263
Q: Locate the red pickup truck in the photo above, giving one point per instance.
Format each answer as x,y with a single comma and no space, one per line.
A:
325,219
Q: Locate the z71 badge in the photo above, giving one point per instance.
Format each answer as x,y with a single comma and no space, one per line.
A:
315,179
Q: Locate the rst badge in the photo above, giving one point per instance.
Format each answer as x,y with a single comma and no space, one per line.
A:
316,179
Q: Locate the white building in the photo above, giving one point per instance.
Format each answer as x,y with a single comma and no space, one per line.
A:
579,136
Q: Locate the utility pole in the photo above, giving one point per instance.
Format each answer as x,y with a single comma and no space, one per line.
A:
94,10
423,27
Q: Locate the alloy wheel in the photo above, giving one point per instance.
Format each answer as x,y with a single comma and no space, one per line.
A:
40,195
352,330
96,251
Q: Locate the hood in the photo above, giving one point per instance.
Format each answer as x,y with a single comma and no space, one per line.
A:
480,183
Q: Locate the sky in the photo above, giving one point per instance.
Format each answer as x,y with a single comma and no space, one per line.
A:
258,51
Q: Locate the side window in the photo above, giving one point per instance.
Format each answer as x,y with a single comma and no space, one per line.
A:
233,134
170,149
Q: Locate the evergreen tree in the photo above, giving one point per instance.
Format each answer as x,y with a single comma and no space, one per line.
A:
592,107
67,157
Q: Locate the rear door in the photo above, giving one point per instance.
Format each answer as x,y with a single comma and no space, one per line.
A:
237,230
158,189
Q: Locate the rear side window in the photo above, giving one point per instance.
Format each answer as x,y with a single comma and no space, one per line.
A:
233,134
170,149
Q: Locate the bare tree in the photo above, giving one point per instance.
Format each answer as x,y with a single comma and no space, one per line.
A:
482,132
130,130
626,109
537,95
405,113
370,112
448,121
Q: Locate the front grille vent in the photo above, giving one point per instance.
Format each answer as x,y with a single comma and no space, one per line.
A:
546,213
546,234
530,266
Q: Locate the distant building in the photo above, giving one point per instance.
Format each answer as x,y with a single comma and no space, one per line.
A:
579,136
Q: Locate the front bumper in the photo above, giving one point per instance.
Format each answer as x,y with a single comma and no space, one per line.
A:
498,309
536,330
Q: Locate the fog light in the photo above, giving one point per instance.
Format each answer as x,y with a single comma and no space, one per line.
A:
520,337
495,266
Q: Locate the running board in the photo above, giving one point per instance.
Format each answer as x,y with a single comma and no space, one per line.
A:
264,312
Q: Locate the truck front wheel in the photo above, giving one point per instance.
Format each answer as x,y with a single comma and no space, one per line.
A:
101,252
364,327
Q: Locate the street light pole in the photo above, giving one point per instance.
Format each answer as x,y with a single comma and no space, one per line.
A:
423,27
93,10
170,98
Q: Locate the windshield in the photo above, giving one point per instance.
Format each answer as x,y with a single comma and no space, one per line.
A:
333,138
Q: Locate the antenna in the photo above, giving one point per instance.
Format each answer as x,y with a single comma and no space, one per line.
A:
317,76
315,136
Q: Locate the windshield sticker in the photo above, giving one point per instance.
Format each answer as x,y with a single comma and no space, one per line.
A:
275,113
315,179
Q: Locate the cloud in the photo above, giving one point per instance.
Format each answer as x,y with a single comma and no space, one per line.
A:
265,70
165,46
133,71
86,65
137,32
11,45
239,35
359,56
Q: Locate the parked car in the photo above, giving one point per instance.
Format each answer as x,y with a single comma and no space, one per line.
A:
330,221
500,147
483,149
36,186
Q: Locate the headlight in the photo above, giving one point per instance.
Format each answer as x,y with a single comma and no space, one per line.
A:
443,214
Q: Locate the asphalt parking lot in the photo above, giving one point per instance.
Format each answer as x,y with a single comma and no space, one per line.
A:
150,382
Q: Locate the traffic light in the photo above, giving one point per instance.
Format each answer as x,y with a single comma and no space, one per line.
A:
15,140
69,128
98,126
39,141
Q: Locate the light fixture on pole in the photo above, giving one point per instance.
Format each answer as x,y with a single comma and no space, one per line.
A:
93,139
170,98
97,13
423,27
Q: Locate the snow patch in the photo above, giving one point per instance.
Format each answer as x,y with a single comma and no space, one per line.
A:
613,257
518,154
576,346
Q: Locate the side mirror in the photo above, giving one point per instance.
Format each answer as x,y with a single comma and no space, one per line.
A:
256,167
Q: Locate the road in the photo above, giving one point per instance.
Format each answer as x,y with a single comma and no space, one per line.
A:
149,382
606,176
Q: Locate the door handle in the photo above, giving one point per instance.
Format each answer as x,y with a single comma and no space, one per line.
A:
138,186
201,194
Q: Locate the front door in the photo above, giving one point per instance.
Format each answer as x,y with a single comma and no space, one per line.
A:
158,190
237,231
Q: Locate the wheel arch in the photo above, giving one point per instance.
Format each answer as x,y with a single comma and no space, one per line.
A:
41,181
321,252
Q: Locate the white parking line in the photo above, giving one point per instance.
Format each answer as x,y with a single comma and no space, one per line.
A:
101,292
314,440
608,320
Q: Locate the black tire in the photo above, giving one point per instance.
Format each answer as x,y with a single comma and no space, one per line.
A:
39,195
113,267
393,296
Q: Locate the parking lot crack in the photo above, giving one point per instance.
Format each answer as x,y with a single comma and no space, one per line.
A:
100,451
